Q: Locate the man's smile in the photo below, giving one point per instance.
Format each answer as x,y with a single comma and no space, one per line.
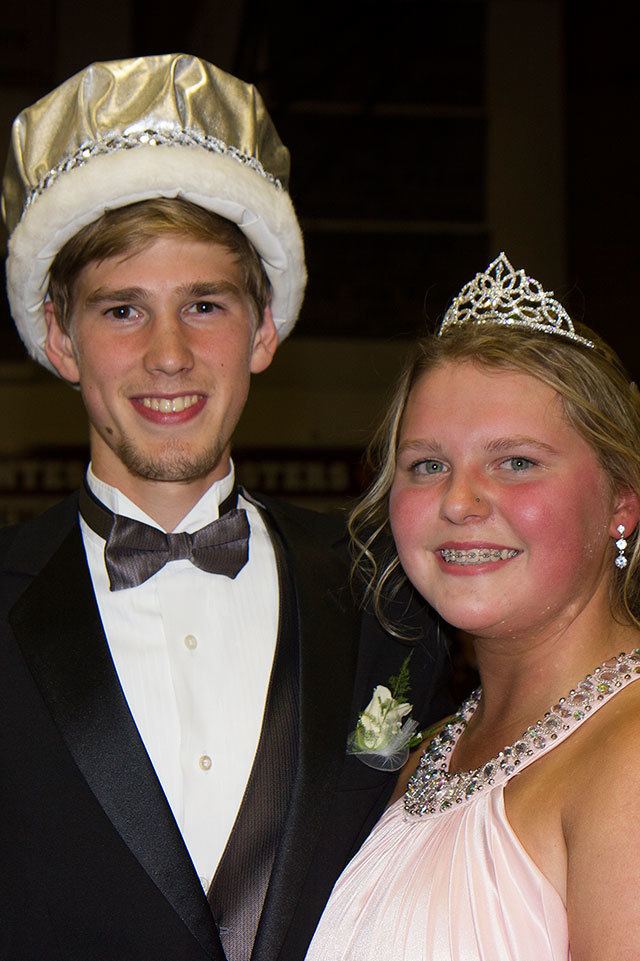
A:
169,410
170,405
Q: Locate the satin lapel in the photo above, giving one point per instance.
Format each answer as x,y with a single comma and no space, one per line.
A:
57,624
328,633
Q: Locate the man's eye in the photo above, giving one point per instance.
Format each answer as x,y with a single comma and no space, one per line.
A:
122,312
202,307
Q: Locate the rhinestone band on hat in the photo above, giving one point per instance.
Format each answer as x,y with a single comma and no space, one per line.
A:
146,138
433,789
507,297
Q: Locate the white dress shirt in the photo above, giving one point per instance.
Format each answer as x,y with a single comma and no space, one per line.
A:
193,652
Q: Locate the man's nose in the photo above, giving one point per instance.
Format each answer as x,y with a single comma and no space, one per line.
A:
168,349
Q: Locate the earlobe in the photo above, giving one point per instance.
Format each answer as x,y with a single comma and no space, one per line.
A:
265,343
59,348
627,513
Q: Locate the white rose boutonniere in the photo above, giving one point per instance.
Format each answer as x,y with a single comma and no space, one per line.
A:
383,738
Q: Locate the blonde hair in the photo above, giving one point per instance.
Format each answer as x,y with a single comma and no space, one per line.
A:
599,401
131,229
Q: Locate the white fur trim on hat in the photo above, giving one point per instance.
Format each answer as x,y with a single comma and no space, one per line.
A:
216,182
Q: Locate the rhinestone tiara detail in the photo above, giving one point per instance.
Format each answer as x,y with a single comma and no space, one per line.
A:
146,138
507,297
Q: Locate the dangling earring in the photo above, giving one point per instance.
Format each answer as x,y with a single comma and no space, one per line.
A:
621,544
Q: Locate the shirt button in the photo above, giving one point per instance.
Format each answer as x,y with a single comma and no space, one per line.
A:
205,883
190,642
205,762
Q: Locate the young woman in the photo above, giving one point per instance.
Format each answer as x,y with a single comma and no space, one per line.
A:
509,475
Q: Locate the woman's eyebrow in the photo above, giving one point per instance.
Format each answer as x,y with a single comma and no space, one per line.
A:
508,443
427,446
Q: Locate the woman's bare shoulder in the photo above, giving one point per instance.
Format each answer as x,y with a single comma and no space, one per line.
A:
607,755
601,815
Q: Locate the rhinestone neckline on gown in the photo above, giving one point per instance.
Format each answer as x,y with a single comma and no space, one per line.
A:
432,789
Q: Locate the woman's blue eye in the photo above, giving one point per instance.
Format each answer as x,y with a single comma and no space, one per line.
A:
427,467
520,464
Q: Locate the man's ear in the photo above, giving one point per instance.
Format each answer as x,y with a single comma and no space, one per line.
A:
59,348
626,512
265,343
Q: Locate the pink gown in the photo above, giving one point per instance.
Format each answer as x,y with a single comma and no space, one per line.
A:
443,877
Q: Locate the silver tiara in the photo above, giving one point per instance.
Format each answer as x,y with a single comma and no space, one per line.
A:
502,295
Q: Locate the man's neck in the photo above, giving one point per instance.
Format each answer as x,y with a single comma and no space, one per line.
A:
166,502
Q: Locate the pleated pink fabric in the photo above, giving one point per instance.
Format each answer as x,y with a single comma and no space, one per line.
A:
456,886
451,886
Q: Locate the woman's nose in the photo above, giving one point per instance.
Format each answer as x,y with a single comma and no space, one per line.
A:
465,500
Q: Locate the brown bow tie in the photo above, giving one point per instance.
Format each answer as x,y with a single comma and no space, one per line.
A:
134,551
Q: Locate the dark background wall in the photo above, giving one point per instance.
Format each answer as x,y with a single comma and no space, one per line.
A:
426,135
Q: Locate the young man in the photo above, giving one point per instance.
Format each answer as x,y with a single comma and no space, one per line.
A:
180,661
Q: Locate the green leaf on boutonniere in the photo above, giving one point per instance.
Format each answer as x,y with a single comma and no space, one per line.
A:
400,682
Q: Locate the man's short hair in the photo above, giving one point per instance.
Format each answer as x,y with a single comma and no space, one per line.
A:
131,229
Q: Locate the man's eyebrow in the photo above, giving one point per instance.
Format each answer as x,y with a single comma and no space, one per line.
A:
209,288
122,295
199,288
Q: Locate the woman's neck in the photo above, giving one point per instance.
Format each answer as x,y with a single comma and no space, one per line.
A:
523,676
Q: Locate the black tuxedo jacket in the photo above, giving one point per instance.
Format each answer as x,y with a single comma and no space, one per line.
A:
93,866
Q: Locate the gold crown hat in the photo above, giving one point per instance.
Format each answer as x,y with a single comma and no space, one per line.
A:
130,130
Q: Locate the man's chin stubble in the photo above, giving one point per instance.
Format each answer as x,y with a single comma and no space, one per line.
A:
172,466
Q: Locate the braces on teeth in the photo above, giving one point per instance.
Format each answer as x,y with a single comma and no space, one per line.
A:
476,556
